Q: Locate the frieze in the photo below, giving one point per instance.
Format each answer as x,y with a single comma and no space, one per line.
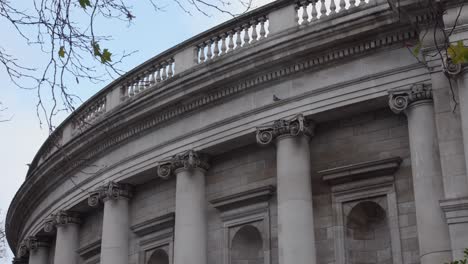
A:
292,127
110,191
187,160
400,99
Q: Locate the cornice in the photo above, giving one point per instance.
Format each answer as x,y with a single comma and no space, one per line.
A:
87,147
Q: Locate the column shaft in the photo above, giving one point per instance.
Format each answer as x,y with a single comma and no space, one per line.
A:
114,245
190,222
434,242
295,214
67,244
39,256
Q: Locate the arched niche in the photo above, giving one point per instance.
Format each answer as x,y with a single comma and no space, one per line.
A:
159,256
247,246
368,238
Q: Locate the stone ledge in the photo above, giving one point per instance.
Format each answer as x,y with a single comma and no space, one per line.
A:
242,199
90,250
360,171
153,225
456,210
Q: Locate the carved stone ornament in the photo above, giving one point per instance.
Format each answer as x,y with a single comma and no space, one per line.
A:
112,191
293,127
23,249
452,69
400,99
61,218
188,160
34,242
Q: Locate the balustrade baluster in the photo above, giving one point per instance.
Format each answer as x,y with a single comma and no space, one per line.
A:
131,91
342,5
158,74
231,41
202,52
254,24
352,3
216,46
170,72
314,10
136,89
164,73
323,8
209,53
305,14
297,7
262,27
238,37
332,7
152,79
246,34
223,44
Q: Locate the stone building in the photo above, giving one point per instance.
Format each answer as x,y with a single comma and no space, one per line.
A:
299,133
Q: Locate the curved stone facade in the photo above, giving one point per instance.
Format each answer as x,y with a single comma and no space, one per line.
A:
268,139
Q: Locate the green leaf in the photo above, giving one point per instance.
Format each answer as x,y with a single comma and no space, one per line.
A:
96,48
84,3
458,53
106,56
466,252
417,49
61,52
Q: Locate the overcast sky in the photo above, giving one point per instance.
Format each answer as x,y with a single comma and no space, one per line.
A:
151,33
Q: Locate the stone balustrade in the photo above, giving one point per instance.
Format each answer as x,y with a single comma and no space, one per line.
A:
90,114
309,11
155,74
240,35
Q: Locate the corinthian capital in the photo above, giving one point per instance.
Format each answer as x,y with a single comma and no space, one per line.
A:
400,99
61,218
187,160
283,127
110,191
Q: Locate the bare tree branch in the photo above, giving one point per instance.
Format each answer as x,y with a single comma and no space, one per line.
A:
65,31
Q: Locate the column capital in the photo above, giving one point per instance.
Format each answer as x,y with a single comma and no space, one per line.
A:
185,161
298,125
400,99
110,191
60,219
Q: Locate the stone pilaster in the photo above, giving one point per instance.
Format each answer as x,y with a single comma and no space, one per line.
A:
416,103
190,224
116,222
295,211
67,241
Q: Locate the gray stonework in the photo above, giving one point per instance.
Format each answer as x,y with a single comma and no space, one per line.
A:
204,191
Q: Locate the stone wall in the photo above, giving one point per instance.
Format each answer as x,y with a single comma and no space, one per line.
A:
360,138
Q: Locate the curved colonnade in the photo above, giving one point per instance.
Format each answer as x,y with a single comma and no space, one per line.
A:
267,139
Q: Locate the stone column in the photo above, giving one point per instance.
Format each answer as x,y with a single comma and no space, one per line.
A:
190,223
67,239
295,211
38,250
115,227
416,103
456,208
